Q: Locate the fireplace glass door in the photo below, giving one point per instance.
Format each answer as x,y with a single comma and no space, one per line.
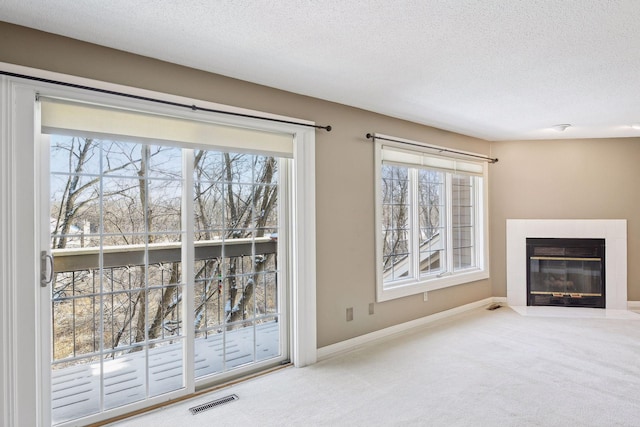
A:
566,272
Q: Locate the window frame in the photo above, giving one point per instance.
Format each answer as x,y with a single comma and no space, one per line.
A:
415,284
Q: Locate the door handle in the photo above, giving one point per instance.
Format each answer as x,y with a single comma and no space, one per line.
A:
46,269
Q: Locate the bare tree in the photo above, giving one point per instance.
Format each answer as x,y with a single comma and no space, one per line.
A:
80,169
109,184
395,217
245,204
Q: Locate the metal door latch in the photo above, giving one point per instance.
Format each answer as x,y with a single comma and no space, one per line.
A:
46,269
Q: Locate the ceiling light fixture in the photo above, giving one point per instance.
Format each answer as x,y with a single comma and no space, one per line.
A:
561,127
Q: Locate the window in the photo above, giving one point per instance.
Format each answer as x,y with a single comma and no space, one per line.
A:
431,220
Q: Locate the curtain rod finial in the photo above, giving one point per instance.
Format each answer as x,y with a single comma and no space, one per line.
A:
369,136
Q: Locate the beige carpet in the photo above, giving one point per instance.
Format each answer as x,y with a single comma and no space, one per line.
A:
481,368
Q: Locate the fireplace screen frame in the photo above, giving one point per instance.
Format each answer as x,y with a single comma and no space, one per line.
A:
545,255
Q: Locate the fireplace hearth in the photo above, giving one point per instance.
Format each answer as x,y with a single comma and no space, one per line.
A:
566,272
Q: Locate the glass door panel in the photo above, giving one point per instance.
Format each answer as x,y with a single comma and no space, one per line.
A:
237,301
115,214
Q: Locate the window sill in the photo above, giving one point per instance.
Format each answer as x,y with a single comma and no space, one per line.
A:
411,287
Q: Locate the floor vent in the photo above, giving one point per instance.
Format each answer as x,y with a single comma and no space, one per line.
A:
214,403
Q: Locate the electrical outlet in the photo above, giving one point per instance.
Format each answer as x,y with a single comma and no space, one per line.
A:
426,296
370,308
349,314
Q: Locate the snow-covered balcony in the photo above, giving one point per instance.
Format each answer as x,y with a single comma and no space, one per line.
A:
118,333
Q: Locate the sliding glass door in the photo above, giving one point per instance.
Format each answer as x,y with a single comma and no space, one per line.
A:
166,269
182,241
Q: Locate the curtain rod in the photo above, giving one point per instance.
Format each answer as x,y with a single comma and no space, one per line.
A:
440,149
159,101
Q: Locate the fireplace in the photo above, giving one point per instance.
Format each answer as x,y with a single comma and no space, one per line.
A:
613,231
566,272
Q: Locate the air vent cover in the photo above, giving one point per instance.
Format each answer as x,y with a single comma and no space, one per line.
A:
214,403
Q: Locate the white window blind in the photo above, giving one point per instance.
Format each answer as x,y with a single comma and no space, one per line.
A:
75,118
400,157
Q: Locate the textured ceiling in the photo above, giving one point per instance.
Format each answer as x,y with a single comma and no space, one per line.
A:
493,69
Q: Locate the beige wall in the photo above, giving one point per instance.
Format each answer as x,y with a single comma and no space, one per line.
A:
565,179
345,195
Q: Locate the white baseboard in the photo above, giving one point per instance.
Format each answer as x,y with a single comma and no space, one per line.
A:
633,305
350,344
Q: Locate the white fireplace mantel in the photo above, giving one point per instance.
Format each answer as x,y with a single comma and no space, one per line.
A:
614,231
